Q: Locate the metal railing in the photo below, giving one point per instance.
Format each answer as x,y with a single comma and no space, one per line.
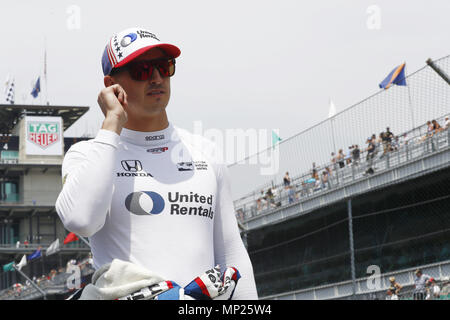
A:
51,284
304,186
401,108
369,288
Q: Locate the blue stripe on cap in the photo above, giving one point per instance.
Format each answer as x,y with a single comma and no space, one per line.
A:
106,64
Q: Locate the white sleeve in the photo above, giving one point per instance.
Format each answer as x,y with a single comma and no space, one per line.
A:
229,250
86,195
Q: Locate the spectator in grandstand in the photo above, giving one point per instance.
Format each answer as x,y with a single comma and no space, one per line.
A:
370,155
403,141
52,274
325,180
433,290
318,183
395,144
430,129
292,195
420,285
261,202
270,197
330,172
314,172
377,143
286,180
356,154
446,123
240,214
305,190
334,161
394,288
341,158
348,157
436,127
389,136
383,140
17,289
90,260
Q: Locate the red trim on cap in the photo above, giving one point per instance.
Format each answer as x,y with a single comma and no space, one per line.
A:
112,53
170,49
109,56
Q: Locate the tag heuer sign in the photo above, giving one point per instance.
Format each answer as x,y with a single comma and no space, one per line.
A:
43,133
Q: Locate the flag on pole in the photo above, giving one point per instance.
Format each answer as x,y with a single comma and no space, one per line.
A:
36,88
35,254
275,138
52,248
396,76
70,237
332,110
9,90
8,267
45,63
45,72
22,263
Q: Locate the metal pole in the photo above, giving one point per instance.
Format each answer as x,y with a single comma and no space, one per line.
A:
412,111
352,248
438,70
32,283
332,134
84,240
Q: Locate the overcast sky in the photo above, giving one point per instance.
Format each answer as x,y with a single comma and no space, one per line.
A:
244,64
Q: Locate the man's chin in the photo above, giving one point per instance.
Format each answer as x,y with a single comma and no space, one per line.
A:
155,108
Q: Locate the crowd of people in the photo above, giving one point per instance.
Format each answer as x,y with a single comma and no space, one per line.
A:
425,288
323,178
54,277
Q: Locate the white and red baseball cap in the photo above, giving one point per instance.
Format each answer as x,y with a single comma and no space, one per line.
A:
128,44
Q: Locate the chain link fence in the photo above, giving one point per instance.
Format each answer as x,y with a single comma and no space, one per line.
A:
400,226
404,109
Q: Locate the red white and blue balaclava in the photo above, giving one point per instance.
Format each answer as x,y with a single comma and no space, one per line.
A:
128,44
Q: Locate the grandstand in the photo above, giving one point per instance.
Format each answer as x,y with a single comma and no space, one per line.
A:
30,182
320,239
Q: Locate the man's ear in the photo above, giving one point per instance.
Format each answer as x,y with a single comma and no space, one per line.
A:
108,81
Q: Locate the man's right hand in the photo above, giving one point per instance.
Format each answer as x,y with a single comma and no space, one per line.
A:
113,103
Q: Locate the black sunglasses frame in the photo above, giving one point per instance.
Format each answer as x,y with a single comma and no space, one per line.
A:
128,67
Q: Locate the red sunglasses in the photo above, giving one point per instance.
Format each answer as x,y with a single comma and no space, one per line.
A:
143,70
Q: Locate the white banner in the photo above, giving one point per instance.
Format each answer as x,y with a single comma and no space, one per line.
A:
44,136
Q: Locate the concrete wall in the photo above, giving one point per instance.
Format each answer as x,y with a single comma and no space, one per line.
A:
40,188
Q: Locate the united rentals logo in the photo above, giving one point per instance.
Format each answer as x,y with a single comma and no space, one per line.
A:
43,134
128,39
146,34
133,167
152,203
134,205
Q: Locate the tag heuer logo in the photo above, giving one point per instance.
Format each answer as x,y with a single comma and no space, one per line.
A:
43,134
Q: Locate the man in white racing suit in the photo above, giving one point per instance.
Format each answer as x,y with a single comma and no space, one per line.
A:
144,190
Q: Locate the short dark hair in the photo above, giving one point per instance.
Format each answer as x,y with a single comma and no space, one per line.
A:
115,71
